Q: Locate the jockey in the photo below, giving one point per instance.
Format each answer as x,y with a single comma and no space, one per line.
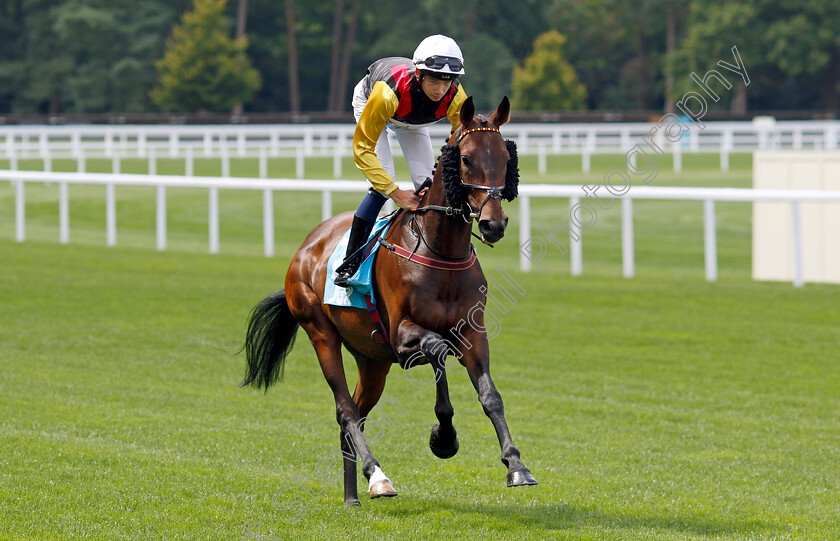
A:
406,96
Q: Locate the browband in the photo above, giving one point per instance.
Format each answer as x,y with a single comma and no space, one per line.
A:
465,132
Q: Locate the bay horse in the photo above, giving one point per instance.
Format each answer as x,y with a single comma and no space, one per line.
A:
420,305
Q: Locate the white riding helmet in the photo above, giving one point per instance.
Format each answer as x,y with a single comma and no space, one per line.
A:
440,57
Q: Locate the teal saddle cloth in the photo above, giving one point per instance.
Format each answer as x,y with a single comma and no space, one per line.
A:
361,283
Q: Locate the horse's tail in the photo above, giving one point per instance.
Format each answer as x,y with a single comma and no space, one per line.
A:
271,334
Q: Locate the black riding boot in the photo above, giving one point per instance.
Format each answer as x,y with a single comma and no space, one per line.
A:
353,257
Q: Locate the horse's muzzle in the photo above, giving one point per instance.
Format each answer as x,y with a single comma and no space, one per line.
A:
492,230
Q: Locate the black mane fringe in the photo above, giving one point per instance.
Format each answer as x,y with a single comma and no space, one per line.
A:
511,189
450,172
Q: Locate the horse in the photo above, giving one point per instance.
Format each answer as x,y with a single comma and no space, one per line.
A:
420,305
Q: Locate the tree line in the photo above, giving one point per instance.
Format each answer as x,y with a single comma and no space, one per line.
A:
131,56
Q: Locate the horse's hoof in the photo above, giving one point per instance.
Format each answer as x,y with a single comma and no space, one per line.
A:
520,478
382,488
352,503
443,447
379,484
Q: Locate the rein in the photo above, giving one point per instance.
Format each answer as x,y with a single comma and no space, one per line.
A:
430,261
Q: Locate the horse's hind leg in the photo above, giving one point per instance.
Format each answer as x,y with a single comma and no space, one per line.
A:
369,389
327,344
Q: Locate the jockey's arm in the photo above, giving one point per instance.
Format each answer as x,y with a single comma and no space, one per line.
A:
380,106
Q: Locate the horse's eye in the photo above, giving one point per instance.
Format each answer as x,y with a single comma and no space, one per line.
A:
465,160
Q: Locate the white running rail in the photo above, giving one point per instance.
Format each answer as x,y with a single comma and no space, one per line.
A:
532,247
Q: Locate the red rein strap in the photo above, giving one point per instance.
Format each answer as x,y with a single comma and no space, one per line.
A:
435,263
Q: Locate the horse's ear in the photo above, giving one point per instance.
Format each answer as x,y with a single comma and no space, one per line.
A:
467,111
502,113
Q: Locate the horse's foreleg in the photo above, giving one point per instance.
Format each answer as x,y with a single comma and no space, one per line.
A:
443,440
413,341
478,369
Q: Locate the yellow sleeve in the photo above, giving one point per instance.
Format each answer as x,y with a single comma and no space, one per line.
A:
380,106
454,111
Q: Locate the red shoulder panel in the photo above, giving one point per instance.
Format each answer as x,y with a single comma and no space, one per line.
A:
402,79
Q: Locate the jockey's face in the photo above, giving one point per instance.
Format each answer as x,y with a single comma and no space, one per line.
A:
435,89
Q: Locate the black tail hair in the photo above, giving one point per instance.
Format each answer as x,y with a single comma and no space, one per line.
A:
270,337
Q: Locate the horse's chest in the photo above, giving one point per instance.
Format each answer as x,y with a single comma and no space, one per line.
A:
438,311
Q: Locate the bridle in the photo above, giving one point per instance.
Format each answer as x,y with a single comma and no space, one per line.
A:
461,263
493,192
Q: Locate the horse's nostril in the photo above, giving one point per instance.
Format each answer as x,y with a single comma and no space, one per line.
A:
492,230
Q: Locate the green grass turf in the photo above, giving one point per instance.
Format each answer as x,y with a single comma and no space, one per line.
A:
661,407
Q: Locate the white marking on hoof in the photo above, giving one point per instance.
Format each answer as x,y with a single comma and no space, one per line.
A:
376,476
380,485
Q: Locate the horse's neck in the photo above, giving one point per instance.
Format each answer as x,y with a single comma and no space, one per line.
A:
447,235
